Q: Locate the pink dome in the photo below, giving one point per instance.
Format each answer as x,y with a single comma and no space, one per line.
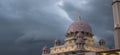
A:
79,26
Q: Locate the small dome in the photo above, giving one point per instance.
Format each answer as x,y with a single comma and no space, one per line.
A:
57,40
79,26
45,48
101,40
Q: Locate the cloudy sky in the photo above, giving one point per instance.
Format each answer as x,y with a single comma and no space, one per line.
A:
27,25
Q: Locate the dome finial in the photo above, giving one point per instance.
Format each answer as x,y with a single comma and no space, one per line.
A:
79,18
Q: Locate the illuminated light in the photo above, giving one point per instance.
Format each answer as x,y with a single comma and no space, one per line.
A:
118,53
104,53
112,54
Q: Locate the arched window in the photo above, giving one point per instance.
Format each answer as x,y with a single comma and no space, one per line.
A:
87,33
83,32
72,33
76,32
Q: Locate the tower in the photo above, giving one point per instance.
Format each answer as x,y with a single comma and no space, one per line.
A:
116,15
101,42
45,51
57,42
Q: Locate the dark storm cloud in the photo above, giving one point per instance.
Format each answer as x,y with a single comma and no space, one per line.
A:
27,25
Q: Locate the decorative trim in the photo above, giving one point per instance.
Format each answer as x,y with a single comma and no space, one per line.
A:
115,2
116,28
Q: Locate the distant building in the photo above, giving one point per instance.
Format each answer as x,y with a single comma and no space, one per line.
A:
79,39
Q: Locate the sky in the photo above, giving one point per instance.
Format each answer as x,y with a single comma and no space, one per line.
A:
26,26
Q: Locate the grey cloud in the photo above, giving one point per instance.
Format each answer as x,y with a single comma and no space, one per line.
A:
27,25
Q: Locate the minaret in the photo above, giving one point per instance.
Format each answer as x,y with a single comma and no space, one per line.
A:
102,42
116,15
79,18
57,42
45,51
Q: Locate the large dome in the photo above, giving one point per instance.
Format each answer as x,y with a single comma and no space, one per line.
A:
79,26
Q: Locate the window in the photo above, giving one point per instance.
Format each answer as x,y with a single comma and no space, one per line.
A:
82,32
87,34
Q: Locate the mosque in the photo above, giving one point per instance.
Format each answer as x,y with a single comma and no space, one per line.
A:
80,41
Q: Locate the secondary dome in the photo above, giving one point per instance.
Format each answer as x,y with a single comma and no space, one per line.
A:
79,26
45,48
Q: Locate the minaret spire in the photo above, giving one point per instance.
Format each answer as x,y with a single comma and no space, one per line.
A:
79,18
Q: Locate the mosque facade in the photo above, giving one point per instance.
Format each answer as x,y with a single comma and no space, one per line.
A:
80,39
